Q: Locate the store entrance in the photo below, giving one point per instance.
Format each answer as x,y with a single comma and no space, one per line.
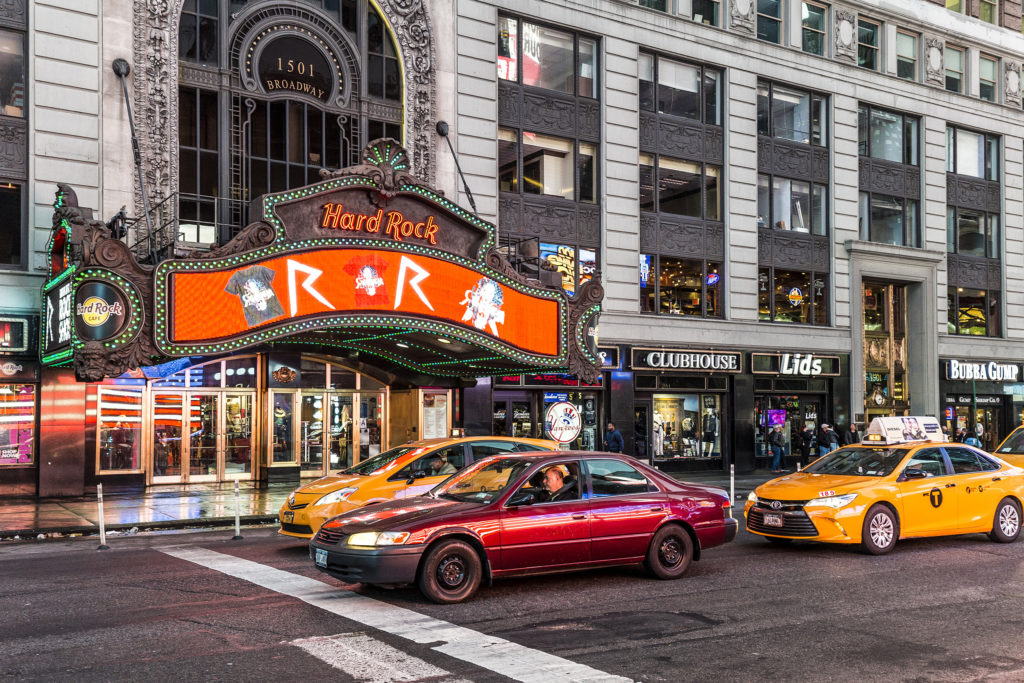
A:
514,415
202,436
312,425
792,413
983,422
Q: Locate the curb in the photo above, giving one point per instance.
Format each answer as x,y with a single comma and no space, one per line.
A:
202,522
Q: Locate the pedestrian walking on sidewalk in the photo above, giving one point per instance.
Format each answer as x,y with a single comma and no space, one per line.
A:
806,440
851,436
777,441
613,442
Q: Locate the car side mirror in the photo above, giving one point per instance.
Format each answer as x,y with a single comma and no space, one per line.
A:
914,473
522,498
411,480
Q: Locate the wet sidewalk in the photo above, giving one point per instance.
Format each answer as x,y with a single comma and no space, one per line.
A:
159,507
196,505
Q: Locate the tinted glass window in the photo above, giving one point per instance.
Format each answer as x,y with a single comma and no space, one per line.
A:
859,462
965,461
482,449
929,460
1014,443
551,484
442,462
615,478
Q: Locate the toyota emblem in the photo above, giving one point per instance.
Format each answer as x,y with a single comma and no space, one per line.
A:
776,505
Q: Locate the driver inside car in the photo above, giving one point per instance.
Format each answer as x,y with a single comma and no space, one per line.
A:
558,486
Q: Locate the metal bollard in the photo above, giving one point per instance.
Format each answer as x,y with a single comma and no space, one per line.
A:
732,487
103,524
238,519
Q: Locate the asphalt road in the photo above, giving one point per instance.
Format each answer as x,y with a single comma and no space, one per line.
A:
939,609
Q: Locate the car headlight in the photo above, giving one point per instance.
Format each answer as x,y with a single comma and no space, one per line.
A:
336,496
372,538
751,497
833,501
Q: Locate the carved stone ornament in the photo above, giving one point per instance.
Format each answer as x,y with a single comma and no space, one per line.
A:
588,295
387,163
155,80
846,35
743,17
1011,80
934,67
92,239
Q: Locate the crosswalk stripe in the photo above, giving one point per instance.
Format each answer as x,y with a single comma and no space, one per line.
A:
501,656
369,660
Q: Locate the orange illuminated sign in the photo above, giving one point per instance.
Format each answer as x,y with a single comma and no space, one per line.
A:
335,287
392,223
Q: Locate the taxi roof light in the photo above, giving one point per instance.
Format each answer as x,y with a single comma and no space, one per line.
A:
904,429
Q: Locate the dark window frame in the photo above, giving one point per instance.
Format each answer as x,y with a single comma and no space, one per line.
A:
702,96
991,165
656,187
993,312
822,33
772,223
815,100
654,278
777,21
520,165
768,286
911,232
992,244
864,144
576,35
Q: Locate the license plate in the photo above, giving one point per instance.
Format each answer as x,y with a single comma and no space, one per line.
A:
287,516
321,557
773,520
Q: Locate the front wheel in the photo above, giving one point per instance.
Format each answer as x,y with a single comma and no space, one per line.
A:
450,572
1006,524
881,530
670,552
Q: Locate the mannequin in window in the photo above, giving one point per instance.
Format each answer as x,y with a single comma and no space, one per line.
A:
710,433
658,435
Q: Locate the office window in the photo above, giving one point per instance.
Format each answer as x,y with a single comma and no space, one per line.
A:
660,5
545,57
906,56
988,11
988,68
680,89
868,44
954,69
815,22
785,204
785,112
675,286
973,312
550,165
792,296
769,20
705,12
12,73
197,33
888,135
684,188
972,232
889,220
972,154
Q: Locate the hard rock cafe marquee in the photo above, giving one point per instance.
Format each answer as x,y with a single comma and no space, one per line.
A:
284,349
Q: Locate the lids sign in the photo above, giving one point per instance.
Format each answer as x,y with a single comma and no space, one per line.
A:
562,422
100,311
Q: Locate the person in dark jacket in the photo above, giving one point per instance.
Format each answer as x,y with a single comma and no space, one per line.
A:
777,441
828,440
613,442
851,436
806,439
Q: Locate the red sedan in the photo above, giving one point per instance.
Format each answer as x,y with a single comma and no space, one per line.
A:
526,514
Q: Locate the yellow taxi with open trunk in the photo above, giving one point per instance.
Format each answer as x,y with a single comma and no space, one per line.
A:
903,480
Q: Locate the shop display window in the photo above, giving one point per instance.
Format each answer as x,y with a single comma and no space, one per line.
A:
973,312
120,428
686,426
674,286
793,296
17,424
790,412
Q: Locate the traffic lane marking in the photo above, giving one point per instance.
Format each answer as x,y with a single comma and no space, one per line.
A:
489,652
371,661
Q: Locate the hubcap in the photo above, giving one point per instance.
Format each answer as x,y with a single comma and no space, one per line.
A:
451,572
670,552
1009,520
881,530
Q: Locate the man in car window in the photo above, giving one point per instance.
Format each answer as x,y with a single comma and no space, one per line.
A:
439,465
554,481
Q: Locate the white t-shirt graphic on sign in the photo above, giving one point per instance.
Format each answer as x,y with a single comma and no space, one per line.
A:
252,287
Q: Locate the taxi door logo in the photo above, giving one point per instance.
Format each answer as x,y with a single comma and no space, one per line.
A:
254,291
935,496
483,305
369,283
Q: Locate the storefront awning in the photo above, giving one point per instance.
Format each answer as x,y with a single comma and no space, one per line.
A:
369,260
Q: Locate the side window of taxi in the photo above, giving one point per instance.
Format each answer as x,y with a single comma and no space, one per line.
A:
929,460
616,478
482,449
445,461
965,461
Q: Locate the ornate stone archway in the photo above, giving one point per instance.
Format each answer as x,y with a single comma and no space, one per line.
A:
155,76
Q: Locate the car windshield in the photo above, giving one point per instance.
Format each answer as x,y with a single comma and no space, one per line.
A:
482,484
1014,443
378,462
859,462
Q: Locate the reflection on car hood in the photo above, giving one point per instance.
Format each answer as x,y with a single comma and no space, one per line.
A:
401,514
805,486
325,485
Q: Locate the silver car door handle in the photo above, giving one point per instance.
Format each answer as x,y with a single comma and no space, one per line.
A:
581,516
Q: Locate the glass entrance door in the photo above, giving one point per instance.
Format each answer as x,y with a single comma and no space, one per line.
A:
311,434
204,422
282,438
168,427
238,446
341,443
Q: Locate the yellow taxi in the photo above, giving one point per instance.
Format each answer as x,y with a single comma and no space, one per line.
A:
903,480
408,470
1012,448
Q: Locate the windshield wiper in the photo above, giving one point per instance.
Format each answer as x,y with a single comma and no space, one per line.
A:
449,496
